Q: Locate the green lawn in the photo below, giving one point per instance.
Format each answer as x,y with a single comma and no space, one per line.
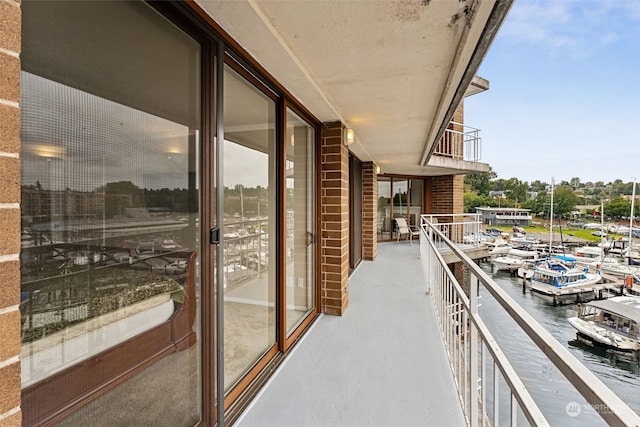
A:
581,233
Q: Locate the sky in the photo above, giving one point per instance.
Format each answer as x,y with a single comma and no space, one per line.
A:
564,97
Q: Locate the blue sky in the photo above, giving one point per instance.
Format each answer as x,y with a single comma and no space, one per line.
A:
564,97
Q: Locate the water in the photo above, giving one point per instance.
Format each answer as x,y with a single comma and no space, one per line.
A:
558,400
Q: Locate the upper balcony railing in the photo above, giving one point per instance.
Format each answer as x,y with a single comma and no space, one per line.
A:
461,229
480,367
460,143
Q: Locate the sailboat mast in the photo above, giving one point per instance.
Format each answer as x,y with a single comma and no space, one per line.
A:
551,218
602,239
633,199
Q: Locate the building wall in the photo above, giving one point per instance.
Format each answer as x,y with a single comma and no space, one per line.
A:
369,211
334,217
446,194
10,28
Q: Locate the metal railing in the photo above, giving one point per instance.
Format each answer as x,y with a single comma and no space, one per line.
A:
460,143
461,229
477,361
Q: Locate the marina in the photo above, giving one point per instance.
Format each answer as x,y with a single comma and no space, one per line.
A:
618,370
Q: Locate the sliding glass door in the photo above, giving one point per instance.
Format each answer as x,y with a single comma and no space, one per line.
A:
299,220
110,288
398,197
249,226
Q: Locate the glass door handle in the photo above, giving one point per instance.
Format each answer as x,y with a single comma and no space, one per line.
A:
311,238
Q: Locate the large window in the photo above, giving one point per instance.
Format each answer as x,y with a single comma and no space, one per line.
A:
249,226
110,206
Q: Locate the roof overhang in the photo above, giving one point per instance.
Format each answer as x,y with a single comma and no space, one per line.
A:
393,71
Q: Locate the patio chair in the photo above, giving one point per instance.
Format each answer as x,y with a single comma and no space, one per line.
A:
403,229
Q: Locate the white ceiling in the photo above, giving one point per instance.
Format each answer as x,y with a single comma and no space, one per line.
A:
394,71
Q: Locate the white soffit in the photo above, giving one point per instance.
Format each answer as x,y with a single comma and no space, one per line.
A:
388,69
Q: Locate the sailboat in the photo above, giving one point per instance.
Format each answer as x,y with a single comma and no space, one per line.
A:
526,268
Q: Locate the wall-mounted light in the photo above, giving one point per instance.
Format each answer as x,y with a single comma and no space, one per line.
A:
377,170
349,136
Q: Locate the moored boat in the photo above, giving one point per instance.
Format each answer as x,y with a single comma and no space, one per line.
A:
559,281
591,255
611,323
514,259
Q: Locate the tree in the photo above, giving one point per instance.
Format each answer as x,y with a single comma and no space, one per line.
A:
539,204
564,201
538,186
473,200
516,190
620,208
480,183
575,183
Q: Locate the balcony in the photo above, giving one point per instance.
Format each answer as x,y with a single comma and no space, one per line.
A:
413,349
459,151
382,363
460,142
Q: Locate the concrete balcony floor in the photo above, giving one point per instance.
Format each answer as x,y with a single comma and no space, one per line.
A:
381,364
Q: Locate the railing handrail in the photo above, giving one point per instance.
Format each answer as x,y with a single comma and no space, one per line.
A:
586,383
463,228
526,401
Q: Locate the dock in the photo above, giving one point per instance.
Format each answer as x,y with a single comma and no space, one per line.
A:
607,287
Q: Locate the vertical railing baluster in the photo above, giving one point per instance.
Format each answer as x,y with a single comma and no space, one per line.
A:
483,379
514,411
496,395
473,343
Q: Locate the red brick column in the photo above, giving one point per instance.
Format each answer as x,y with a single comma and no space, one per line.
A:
10,30
334,211
369,211
446,194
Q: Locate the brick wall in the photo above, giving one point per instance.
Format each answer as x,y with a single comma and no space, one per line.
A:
334,211
446,194
10,28
458,115
369,211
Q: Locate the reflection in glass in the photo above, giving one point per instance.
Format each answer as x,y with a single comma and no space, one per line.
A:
400,200
415,201
110,206
249,226
299,146
384,208
109,218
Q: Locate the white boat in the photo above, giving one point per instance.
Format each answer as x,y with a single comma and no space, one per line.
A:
615,267
550,250
559,281
523,240
591,255
499,247
632,254
514,259
612,323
